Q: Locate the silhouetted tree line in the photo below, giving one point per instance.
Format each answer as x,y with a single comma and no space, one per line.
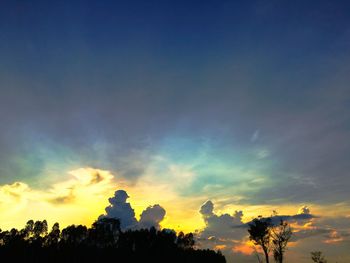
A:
103,241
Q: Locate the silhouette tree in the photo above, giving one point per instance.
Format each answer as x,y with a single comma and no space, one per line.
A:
28,229
281,235
185,241
53,237
105,232
318,257
260,234
103,241
74,235
39,229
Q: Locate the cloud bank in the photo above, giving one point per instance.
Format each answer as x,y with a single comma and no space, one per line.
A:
229,234
222,226
120,209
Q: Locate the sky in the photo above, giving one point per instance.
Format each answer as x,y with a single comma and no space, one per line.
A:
216,111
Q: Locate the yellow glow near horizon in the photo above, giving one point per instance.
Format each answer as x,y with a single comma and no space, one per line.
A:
78,200
82,197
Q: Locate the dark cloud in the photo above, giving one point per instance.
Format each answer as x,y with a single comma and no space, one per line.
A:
123,211
225,226
222,232
299,218
96,178
152,216
229,233
308,145
307,233
329,229
207,209
304,210
222,226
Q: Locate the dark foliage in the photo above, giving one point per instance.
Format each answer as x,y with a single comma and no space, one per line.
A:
103,241
260,234
270,236
317,257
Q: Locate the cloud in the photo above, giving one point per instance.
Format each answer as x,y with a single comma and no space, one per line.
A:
207,209
255,136
222,226
244,248
223,231
152,216
303,215
13,191
90,176
120,209
304,210
123,211
309,232
96,178
330,229
13,198
64,199
335,236
291,218
76,199
229,233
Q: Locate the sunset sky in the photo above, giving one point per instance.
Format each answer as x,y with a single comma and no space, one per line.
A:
218,111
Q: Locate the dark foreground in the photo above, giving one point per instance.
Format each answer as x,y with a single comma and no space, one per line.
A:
104,241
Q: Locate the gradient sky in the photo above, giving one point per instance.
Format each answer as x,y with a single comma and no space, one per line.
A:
244,103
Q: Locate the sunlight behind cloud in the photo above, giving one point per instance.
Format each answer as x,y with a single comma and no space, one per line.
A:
82,197
77,200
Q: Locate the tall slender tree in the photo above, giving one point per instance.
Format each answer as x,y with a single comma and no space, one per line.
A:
260,234
281,235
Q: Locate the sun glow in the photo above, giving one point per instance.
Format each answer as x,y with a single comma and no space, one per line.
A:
82,197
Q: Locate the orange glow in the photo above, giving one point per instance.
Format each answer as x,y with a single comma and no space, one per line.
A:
246,248
220,247
334,238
